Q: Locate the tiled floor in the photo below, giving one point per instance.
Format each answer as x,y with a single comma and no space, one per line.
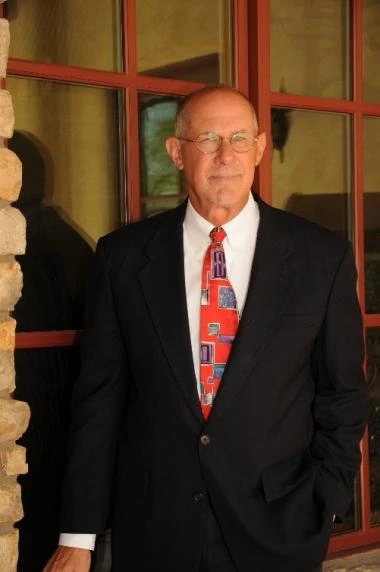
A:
364,562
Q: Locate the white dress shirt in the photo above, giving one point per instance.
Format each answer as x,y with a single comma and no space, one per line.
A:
239,247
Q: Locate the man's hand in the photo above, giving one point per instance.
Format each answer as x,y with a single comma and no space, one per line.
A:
68,559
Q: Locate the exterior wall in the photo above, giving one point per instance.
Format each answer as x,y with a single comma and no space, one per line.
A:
14,415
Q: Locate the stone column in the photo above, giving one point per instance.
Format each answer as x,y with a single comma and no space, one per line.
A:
14,415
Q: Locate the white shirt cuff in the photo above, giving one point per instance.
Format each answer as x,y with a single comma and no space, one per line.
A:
77,540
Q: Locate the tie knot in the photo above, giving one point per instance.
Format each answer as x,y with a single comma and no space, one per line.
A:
218,234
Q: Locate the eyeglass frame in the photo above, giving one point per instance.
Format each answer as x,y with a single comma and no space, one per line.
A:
220,138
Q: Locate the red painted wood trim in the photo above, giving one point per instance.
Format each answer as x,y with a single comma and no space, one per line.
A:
351,541
259,73
240,40
323,104
132,119
56,338
64,73
372,320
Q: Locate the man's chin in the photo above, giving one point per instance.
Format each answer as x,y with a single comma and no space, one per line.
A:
226,196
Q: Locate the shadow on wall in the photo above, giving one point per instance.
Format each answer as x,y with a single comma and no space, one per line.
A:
54,270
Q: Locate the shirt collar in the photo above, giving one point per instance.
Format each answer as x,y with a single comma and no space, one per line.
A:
240,229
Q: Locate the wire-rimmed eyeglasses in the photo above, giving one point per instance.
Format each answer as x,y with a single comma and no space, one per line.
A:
211,142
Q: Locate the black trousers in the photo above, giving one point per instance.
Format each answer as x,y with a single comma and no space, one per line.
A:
215,555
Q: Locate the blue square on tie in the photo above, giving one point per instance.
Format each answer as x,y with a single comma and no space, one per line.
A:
227,298
213,328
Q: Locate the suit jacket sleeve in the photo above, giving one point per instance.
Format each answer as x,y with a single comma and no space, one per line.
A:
341,399
97,408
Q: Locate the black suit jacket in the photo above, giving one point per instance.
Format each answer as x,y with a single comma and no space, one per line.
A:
282,448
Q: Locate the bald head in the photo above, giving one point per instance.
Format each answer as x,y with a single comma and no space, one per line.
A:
191,101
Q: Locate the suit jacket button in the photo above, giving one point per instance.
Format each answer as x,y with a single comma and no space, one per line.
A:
205,440
199,497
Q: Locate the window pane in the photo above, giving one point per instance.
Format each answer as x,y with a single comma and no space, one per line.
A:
311,167
310,47
371,50
67,139
162,186
185,40
373,376
372,213
44,379
73,32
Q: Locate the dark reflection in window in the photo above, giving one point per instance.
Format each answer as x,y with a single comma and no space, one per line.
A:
44,379
372,251
56,261
373,378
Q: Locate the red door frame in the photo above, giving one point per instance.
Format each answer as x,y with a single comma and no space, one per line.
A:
264,99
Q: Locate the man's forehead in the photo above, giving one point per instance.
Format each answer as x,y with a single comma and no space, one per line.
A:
219,111
217,103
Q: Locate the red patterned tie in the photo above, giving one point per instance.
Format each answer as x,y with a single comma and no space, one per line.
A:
219,319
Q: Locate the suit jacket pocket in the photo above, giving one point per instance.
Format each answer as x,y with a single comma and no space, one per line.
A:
281,478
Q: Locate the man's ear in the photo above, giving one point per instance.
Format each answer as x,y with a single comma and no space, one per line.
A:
173,147
261,144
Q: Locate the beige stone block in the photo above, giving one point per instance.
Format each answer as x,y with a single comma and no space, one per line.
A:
10,503
13,461
10,283
7,344
7,371
9,550
10,175
12,231
7,334
14,419
7,118
4,46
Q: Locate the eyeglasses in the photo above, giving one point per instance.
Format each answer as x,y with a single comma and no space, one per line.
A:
211,142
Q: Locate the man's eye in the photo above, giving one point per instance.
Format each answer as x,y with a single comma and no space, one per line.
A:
208,138
240,137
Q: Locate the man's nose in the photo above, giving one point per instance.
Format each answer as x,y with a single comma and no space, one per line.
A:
225,151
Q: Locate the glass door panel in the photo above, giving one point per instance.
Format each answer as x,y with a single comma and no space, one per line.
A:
371,50
311,167
373,378
372,213
74,32
66,137
162,186
185,40
310,47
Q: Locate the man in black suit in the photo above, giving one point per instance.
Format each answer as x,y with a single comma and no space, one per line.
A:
255,487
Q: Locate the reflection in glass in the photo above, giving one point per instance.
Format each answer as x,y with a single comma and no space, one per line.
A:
73,32
185,40
44,379
311,167
372,213
162,186
67,139
371,50
373,378
310,47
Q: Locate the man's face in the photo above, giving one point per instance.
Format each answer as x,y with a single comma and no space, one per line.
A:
219,182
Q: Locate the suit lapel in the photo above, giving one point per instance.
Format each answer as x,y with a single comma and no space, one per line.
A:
270,284
163,283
